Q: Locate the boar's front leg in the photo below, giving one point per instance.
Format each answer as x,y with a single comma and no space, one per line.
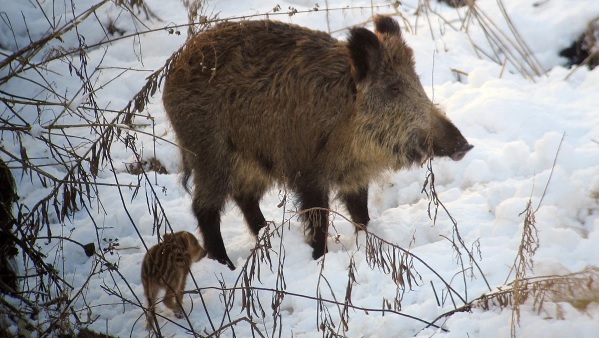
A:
314,205
356,203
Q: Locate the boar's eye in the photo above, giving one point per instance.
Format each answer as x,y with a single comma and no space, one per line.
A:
395,88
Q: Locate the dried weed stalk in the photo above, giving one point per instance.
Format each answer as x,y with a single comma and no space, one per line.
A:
579,289
457,242
547,293
502,47
244,301
526,250
77,134
85,164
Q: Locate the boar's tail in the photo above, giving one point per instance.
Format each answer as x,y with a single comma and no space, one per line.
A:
186,169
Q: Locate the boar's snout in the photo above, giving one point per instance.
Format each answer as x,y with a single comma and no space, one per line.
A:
448,141
460,153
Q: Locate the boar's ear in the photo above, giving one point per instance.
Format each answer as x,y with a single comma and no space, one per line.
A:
365,52
385,26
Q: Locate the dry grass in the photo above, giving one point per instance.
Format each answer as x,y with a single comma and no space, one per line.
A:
76,190
579,289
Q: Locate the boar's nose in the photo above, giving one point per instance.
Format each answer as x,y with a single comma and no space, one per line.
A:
460,153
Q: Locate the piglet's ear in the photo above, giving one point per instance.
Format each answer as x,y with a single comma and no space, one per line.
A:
385,26
190,240
365,52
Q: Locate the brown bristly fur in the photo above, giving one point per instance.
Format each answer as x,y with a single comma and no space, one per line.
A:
265,102
166,266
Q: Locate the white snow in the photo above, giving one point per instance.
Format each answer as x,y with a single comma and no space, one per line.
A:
516,125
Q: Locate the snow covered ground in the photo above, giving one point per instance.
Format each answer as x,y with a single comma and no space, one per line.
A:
516,124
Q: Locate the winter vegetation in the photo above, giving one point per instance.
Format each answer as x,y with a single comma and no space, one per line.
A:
500,244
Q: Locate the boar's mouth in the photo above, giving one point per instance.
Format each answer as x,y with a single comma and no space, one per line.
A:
458,155
456,152
420,151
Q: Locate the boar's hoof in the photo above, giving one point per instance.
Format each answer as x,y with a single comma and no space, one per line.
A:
223,260
459,154
317,253
227,262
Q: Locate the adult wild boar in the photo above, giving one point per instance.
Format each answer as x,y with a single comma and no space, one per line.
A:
255,103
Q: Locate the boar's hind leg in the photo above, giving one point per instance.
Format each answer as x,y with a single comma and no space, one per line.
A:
250,207
208,201
357,204
317,219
